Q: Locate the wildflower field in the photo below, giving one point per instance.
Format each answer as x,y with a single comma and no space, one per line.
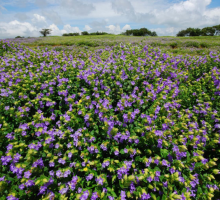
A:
124,122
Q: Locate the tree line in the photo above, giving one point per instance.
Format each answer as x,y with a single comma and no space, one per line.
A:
207,31
133,32
139,32
85,33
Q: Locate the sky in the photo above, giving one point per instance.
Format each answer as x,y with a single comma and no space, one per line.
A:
167,17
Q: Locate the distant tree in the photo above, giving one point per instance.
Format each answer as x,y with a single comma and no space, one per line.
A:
19,37
145,32
45,32
189,32
140,32
181,33
123,33
153,33
217,29
208,31
84,33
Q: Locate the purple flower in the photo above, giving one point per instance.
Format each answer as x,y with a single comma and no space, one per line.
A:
123,195
12,198
7,107
27,174
149,179
2,178
165,184
116,152
79,190
51,164
30,183
51,173
61,161
99,181
63,191
145,196
22,186
157,173
89,177
204,161
94,196
42,190
192,183
59,173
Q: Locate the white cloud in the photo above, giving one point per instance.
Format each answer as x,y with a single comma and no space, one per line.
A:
39,20
16,28
53,16
171,31
107,15
126,27
71,29
41,3
21,16
87,28
116,29
76,7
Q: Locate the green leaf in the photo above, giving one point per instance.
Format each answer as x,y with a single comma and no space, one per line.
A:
188,156
122,151
164,153
199,191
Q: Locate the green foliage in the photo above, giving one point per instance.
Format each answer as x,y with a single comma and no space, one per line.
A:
204,45
206,31
71,34
85,33
45,32
87,43
140,32
19,37
174,44
165,124
192,44
98,33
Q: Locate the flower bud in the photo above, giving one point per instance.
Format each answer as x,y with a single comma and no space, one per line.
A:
210,195
211,189
131,178
212,163
216,171
150,187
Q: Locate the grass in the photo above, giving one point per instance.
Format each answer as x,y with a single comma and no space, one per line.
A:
195,46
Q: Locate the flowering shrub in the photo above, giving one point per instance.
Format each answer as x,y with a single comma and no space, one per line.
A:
126,122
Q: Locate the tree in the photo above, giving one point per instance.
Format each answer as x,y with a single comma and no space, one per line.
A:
217,29
181,33
153,33
208,31
45,32
84,33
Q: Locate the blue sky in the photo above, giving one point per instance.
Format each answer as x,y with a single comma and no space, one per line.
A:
166,17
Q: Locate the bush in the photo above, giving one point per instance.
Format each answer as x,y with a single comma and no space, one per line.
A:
87,43
19,37
192,44
174,45
204,45
84,33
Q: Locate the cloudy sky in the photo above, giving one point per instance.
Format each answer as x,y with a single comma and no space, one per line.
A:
166,17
